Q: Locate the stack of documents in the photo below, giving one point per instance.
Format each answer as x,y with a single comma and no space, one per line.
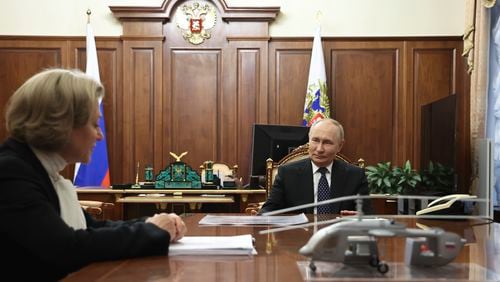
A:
253,220
213,245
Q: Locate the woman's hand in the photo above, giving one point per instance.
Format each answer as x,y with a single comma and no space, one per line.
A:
171,223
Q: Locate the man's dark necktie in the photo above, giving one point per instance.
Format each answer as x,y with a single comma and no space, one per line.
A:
323,191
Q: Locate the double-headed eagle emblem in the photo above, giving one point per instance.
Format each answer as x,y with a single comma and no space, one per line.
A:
196,19
178,158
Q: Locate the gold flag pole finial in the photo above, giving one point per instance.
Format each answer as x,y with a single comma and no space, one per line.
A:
319,14
88,15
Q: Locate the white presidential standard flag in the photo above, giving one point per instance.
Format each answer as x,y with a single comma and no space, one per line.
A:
317,104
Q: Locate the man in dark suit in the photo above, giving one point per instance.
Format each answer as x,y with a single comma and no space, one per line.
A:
301,182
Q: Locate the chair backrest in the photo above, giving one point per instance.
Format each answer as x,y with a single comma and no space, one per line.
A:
298,153
99,210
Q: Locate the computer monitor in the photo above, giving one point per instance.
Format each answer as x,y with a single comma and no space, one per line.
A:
438,142
438,137
275,142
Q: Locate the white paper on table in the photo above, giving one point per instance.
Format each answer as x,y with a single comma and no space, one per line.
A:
253,220
213,245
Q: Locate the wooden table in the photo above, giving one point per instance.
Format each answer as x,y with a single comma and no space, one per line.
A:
161,202
278,259
128,205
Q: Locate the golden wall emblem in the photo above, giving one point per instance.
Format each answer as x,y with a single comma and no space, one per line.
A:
196,19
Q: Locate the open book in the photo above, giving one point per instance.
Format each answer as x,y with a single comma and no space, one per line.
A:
213,245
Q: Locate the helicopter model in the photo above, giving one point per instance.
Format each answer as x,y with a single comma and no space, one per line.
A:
352,240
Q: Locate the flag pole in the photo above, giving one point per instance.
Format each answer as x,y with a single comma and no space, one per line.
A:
95,173
319,14
316,104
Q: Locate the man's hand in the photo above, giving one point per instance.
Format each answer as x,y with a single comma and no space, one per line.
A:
171,223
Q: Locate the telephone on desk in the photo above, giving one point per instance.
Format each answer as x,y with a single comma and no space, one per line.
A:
450,204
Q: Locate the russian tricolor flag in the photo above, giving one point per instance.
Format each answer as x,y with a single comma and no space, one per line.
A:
96,172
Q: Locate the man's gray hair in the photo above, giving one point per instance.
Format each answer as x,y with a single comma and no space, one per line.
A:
334,122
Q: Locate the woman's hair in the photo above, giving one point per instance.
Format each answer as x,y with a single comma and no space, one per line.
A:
45,109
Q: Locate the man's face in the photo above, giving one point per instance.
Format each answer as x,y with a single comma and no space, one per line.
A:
324,143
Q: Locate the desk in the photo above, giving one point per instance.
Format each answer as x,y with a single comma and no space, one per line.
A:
277,256
236,200
194,202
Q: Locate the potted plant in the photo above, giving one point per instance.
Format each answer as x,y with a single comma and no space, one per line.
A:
386,179
406,178
438,179
380,179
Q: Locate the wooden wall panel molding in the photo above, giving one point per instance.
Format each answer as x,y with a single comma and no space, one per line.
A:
142,38
195,94
246,110
288,73
376,89
164,94
163,12
27,57
436,70
433,79
142,106
248,38
23,57
222,95
360,80
17,65
358,75
291,88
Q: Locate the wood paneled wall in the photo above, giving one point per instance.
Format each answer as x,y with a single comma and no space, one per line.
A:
164,94
22,57
376,90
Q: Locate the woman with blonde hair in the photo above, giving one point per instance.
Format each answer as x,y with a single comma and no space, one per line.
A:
52,120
